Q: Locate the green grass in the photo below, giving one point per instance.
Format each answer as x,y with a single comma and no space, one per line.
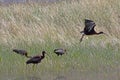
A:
35,27
81,58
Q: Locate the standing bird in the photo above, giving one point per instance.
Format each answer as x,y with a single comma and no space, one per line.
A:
21,52
36,59
89,29
60,51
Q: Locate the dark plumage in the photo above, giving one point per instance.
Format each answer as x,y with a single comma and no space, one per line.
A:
60,51
21,52
89,29
36,59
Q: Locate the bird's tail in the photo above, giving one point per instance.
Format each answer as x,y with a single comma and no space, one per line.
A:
82,32
15,50
28,62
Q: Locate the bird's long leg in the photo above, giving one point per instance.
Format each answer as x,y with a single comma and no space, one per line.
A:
82,37
105,34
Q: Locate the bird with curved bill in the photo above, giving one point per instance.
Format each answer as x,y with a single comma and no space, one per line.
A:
22,52
89,29
36,59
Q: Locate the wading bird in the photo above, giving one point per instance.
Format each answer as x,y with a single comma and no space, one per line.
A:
21,52
89,29
36,59
60,51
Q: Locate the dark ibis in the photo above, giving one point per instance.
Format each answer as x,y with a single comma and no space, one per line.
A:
89,29
36,59
21,52
60,51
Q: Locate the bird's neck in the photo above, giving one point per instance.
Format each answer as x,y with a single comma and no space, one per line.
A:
28,56
43,55
99,33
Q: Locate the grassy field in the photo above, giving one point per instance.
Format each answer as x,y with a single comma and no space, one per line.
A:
36,27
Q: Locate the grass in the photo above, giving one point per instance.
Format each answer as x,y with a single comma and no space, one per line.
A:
35,27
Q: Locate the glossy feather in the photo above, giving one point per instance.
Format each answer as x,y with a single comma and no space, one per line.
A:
59,51
36,59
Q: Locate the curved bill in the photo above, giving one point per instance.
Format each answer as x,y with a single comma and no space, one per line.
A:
105,34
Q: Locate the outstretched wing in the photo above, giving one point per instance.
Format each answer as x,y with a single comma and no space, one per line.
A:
89,26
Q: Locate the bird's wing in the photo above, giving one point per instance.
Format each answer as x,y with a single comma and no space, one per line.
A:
22,52
59,50
19,51
89,25
34,59
56,50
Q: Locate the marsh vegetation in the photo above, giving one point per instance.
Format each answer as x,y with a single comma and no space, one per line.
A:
36,27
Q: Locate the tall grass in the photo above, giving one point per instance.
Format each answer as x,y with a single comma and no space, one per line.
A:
35,27
61,21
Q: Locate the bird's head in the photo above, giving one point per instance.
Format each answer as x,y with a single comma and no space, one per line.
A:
43,52
101,32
